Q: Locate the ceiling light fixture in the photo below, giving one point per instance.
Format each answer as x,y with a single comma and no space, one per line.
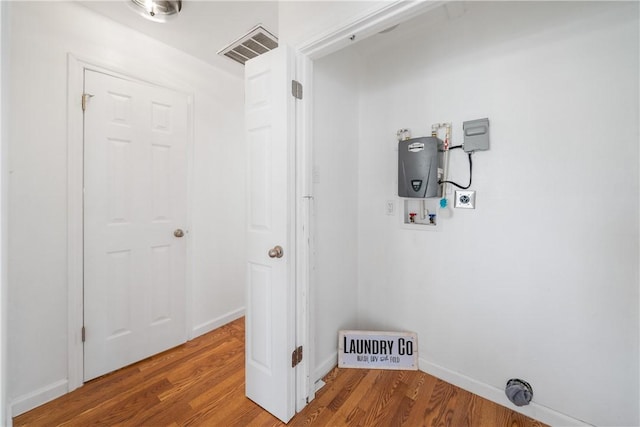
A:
157,10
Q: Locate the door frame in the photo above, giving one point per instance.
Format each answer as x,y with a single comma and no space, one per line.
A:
304,315
75,204
316,47
367,24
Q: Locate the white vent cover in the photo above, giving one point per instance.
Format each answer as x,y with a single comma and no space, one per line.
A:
256,42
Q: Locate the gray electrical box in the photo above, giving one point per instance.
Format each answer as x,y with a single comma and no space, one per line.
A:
418,162
476,135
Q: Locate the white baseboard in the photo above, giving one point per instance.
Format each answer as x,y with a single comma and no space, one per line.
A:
325,367
38,397
210,325
533,410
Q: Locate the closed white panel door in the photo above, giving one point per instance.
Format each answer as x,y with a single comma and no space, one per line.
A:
134,214
270,311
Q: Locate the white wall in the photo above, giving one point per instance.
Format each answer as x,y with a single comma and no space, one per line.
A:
42,33
540,281
3,212
335,213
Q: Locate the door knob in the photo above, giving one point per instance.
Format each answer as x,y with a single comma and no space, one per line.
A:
178,233
276,252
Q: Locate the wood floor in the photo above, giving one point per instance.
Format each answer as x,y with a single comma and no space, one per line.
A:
201,383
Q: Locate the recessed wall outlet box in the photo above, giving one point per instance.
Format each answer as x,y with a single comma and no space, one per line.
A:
476,135
465,199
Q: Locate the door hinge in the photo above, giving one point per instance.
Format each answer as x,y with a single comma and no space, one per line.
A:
296,356
296,89
85,99
83,333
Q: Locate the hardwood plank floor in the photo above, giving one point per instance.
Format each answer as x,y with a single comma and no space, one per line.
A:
201,383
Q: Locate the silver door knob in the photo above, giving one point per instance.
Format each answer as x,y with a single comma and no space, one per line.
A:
178,233
276,252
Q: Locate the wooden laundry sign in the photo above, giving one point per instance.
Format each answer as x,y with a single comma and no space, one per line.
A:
378,350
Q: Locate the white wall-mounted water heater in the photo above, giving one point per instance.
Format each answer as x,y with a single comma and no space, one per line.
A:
418,162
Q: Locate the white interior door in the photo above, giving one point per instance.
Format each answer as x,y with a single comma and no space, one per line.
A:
135,198
270,310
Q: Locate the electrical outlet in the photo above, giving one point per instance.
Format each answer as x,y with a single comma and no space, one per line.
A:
465,199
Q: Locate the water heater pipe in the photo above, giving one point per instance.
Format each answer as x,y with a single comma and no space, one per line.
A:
445,161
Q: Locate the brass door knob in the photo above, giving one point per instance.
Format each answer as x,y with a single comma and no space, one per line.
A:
178,233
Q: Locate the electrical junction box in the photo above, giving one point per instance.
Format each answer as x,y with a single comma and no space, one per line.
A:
418,162
476,135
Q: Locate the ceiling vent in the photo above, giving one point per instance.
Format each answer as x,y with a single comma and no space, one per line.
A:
256,42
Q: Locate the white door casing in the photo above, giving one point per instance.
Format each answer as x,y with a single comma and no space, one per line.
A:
135,199
305,332
270,297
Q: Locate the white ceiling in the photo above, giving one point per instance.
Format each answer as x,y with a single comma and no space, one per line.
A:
202,27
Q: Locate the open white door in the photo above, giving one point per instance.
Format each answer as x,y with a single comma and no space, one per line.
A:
270,308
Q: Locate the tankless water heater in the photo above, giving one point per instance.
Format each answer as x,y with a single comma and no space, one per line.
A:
418,162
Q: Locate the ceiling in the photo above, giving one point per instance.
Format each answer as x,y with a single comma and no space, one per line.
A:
201,29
